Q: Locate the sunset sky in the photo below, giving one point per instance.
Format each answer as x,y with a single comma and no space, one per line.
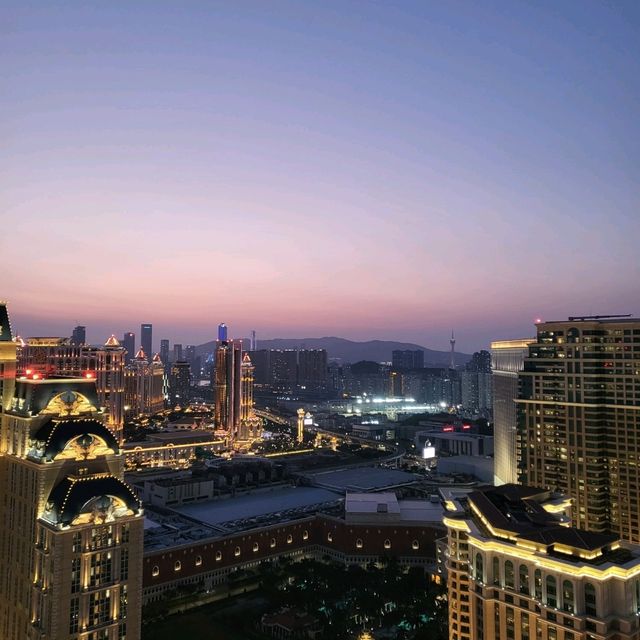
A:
361,169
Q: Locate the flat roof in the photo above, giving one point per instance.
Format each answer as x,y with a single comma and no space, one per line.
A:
361,479
280,502
407,511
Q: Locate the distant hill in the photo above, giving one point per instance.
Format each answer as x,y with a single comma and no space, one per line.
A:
351,351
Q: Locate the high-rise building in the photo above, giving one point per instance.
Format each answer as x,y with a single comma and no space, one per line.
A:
227,386
190,353
578,419
79,336
129,344
71,530
249,425
57,356
146,338
312,369
144,385
507,360
407,359
180,384
177,352
164,352
517,571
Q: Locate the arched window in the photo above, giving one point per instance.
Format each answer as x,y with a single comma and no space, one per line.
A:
329,537
415,545
479,568
590,601
305,535
509,577
387,544
552,594
177,566
567,596
289,539
359,544
236,551
155,571
496,570
218,556
272,544
524,579
198,561
256,546
537,584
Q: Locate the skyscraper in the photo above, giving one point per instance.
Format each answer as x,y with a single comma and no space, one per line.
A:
146,338
227,385
507,358
407,359
70,529
177,352
79,335
578,422
129,344
180,384
164,352
248,423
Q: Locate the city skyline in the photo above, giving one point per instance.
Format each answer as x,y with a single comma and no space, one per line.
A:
388,172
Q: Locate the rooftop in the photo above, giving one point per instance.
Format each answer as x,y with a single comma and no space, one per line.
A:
362,479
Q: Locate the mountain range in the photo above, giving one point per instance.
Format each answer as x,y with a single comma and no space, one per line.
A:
350,350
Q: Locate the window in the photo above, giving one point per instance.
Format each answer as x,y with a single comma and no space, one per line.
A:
198,561
124,563
329,537
567,596
100,570
479,568
99,607
272,544
496,571
387,544
256,547
305,535
359,543
415,545
155,571
552,596
524,579
177,566
524,626
74,615
75,575
218,556
509,578
537,584
590,602
236,552
289,539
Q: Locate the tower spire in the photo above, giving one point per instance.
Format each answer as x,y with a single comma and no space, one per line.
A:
452,342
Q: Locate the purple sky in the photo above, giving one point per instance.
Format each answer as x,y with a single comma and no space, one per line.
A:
304,169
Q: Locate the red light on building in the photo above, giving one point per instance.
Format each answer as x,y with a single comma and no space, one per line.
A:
29,372
466,426
89,375
36,376
447,428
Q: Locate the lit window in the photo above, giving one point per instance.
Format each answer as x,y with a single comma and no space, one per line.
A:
329,537
198,561
305,535
155,571
359,543
218,556
236,551
272,544
387,544
256,546
177,566
415,545
289,539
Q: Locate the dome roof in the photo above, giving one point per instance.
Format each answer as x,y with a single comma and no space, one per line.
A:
71,496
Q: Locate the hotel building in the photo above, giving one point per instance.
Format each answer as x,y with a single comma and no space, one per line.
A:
579,419
517,571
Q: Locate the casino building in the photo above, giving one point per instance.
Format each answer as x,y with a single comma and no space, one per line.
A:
71,530
518,571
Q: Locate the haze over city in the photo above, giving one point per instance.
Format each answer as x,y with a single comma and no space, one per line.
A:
351,169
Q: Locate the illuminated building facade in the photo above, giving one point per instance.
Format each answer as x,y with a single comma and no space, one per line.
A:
8,357
144,385
57,356
517,571
249,424
71,531
507,360
579,419
227,379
